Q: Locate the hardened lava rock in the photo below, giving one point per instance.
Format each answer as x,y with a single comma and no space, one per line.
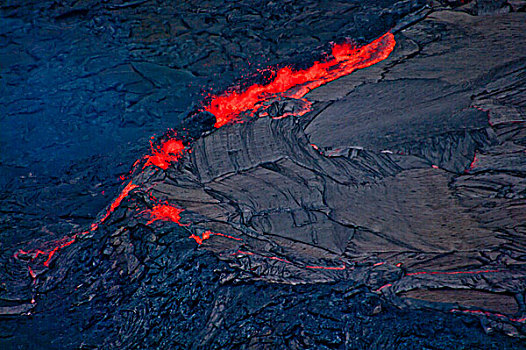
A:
411,180
389,216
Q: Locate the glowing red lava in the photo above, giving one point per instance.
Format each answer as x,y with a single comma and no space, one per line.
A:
472,164
489,314
327,267
130,186
450,272
208,234
280,259
227,107
384,286
286,82
67,241
166,212
167,152
296,84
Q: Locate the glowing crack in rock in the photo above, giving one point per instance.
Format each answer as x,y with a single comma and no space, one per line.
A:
472,164
450,272
208,234
286,82
326,267
384,286
67,241
489,314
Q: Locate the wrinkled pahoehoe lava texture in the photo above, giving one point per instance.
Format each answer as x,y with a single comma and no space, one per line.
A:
382,208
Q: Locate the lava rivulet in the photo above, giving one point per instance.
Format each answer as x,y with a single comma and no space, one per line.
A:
67,241
450,272
129,187
208,234
297,83
226,107
490,314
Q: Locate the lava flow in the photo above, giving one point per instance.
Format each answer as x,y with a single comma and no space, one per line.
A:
167,152
67,241
450,272
490,314
226,108
295,84
208,234
166,212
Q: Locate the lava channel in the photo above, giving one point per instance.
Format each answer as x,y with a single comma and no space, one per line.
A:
227,107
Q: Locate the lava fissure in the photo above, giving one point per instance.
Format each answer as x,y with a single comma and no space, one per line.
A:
338,268
285,82
489,314
450,272
384,286
207,234
67,241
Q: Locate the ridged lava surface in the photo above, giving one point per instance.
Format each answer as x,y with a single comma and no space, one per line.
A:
345,194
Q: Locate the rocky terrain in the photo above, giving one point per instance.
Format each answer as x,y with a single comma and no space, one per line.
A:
378,201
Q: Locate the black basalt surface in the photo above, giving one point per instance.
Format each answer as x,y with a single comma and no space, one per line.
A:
389,216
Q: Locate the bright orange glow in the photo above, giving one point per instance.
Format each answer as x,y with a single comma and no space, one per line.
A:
450,272
166,212
297,83
286,82
208,234
130,186
169,151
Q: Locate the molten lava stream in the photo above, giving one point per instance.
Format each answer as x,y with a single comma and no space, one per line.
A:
297,83
490,314
227,107
67,241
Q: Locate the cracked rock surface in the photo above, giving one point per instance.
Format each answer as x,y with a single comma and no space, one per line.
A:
389,216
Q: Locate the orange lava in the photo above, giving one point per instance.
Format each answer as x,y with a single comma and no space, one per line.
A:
226,107
166,212
208,234
450,272
297,83
130,186
169,151
489,314
67,241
